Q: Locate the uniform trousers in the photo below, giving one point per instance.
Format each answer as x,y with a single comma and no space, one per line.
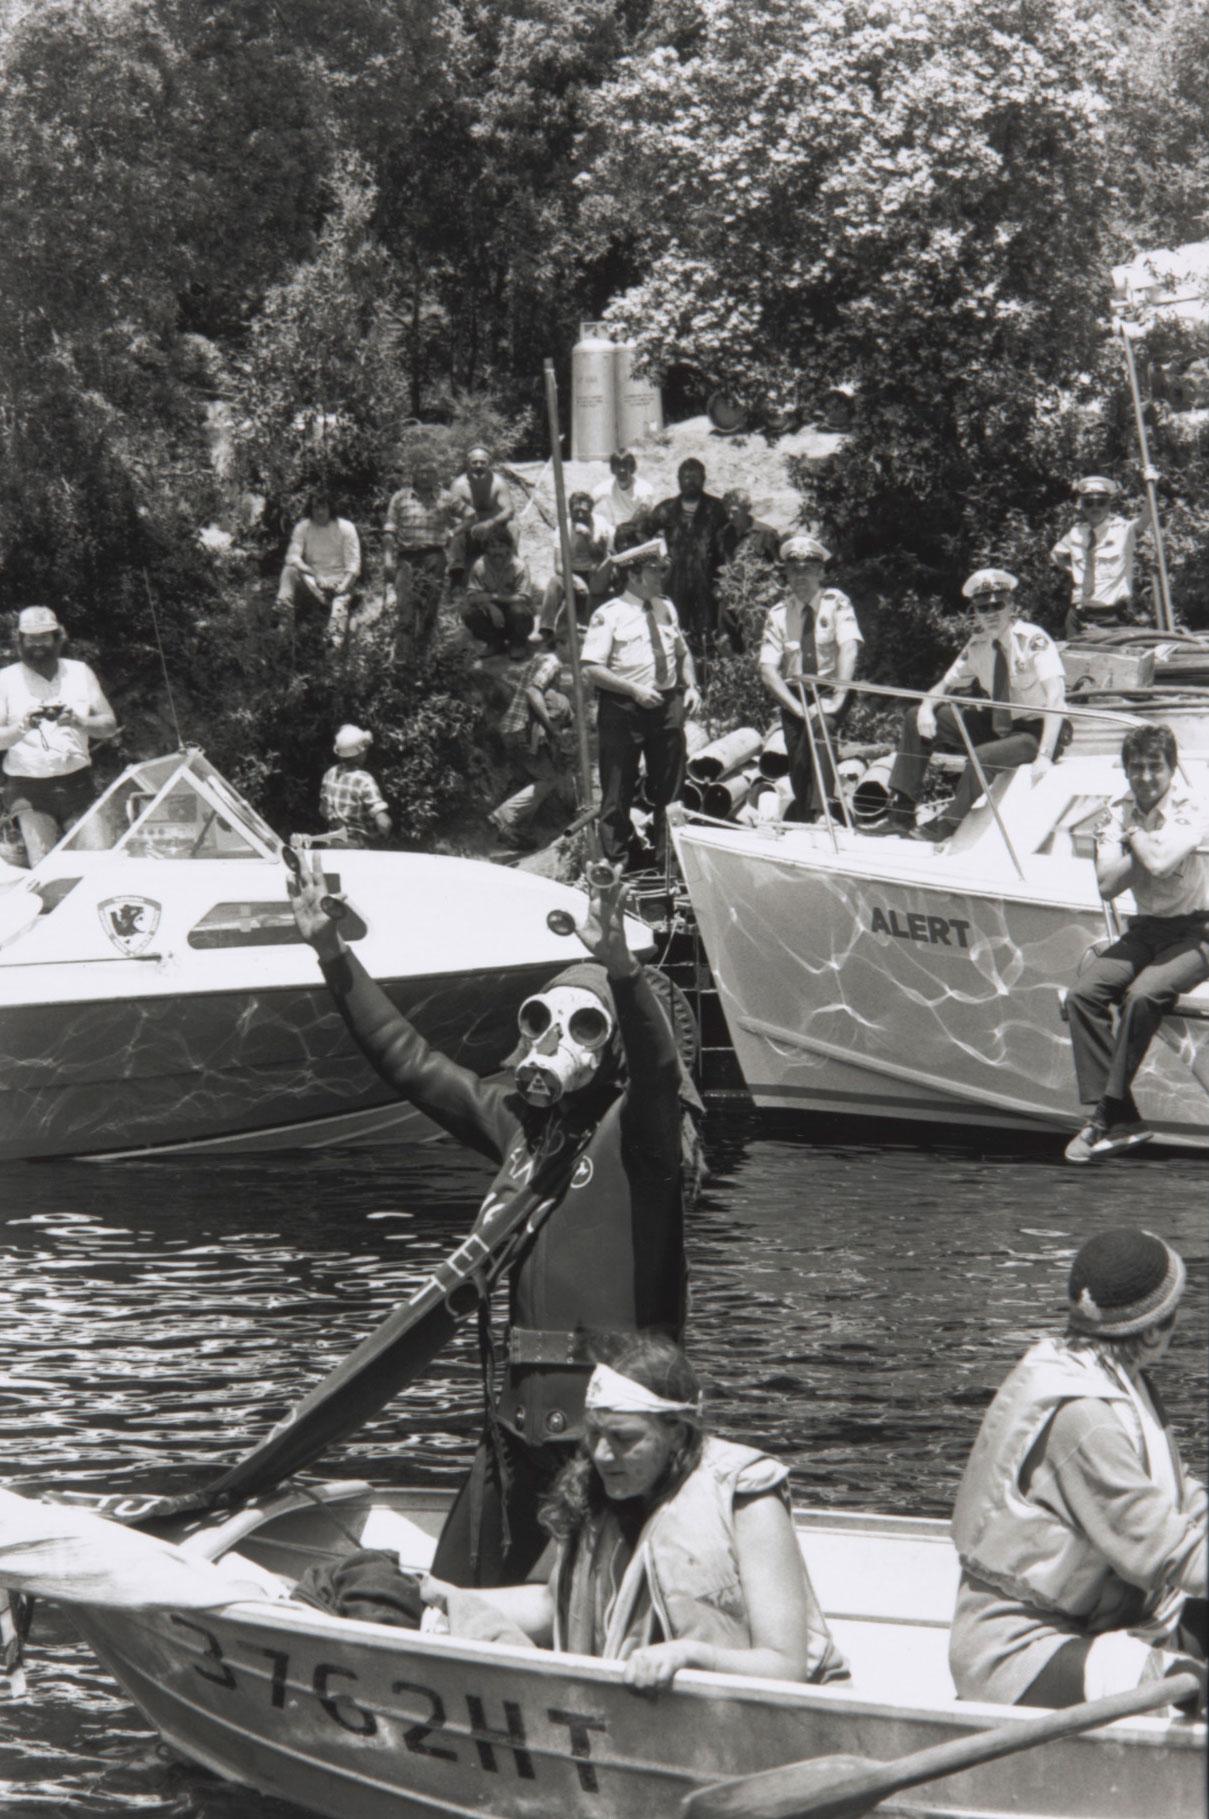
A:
810,769
1083,617
626,734
995,752
1144,972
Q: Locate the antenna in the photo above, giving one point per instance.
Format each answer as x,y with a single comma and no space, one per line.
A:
176,725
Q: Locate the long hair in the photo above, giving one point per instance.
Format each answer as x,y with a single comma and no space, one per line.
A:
577,1494
1129,1351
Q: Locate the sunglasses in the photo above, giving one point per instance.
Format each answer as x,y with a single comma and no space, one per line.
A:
587,1026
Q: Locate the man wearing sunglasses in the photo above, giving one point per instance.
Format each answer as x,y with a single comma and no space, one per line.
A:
590,1133
1018,671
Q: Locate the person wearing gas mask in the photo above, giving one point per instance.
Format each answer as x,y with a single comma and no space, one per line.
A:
1017,668
591,1129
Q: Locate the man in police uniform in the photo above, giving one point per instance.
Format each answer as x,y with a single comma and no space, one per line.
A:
812,632
635,655
1098,554
1147,843
1017,666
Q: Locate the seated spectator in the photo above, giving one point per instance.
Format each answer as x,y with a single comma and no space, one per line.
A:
322,566
538,731
349,798
1081,1538
417,528
480,503
1097,553
745,533
499,610
675,1549
625,496
812,632
51,707
591,538
1016,666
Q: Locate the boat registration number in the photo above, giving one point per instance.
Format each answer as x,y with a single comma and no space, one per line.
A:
913,925
334,1688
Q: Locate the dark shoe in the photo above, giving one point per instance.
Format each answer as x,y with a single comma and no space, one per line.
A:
1086,1146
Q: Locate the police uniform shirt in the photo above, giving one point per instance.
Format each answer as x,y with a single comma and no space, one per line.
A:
618,638
1114,540
1033,661
834,625
1176,817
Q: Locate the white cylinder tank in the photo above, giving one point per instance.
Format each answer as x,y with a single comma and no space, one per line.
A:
639,400
593,395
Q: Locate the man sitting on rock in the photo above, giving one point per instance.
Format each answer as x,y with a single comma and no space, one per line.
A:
499,610
322,566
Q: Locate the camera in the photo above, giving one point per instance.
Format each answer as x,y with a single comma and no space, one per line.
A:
54,710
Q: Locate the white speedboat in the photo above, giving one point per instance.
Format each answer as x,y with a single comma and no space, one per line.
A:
155,994
882,977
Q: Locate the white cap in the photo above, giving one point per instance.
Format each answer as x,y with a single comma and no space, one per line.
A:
804,548
37,619
653,550
351,741
1096,486
989,581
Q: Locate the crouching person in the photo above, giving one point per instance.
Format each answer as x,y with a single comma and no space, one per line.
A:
675,1549
1082,1541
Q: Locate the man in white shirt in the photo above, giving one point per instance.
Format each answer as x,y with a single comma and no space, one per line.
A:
635,654
812,632
1017,667
625,496
1149,843
1098,555
50,707
322,565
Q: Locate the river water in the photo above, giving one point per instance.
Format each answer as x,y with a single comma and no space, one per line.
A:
853,1310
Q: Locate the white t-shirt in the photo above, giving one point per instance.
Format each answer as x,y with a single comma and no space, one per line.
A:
51,749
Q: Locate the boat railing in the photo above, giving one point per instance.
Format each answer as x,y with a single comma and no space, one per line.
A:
822,741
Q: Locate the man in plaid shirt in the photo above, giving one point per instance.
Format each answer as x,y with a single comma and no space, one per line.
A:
537,730
419,521
349,798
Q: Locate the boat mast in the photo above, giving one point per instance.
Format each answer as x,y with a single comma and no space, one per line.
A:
1164,616
583,755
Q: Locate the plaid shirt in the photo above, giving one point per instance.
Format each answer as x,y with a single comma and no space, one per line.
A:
414,525
351,799
540,672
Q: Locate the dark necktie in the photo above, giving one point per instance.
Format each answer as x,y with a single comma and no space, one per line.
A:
1088,589
1001,717
663,674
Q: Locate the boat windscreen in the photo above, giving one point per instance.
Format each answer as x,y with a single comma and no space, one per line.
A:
173,808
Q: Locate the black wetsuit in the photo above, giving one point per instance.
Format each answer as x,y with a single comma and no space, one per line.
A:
608,1258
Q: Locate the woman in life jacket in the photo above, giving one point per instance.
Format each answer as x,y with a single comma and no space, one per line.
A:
675,1549
1082,1539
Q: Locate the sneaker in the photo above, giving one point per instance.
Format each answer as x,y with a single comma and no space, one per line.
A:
1121,1137
935,831
1085,1147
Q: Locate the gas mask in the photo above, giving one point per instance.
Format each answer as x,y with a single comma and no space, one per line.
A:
566,1031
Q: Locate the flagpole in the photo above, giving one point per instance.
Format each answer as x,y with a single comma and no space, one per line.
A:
564,542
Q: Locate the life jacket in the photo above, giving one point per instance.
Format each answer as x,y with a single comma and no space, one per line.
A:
683,1578
1010,1541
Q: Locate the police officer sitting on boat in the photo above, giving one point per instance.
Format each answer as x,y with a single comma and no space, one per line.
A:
591,1132
1018,667
812,631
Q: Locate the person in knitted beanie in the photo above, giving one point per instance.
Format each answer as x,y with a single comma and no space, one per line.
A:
1082,1539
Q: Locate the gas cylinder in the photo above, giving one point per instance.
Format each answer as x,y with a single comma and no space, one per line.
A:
639,400
593,399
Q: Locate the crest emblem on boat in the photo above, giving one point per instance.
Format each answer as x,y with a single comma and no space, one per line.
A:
130,922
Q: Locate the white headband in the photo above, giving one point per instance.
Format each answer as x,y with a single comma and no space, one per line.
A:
614,1394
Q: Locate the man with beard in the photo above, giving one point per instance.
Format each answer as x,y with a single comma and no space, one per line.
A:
50,707
591,1131
693,524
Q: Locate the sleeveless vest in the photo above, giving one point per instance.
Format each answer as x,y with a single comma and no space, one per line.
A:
687,1562
1011,1542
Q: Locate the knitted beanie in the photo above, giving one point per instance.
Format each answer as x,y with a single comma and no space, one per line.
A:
1122,1282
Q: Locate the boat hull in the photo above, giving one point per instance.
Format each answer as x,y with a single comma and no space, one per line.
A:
349,1717
912,997
228,1071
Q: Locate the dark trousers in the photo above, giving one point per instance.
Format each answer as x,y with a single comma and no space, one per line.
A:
1080,619
419,578
996,752
471,1549
1144,972
626,734
518,623
810,771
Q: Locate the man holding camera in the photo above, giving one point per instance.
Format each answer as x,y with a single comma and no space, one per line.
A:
50,707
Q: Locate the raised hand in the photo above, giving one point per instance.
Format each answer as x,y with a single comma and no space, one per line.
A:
603,930
306,888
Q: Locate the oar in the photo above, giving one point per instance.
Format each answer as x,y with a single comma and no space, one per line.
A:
844,1787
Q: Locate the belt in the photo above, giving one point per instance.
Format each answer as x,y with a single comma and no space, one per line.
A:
533,1345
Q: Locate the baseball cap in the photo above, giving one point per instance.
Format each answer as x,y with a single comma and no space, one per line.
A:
37,619
351,740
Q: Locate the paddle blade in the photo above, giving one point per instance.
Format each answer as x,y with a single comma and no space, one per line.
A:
830,1787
